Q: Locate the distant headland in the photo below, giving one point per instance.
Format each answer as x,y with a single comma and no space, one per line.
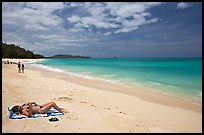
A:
14,51
67,56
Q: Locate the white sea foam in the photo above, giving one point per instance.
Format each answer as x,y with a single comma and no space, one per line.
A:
90,77
33,61
86,73
46,67
79,75
154,84
200,94
83,75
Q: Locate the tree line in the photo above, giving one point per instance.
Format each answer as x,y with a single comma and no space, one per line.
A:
14,51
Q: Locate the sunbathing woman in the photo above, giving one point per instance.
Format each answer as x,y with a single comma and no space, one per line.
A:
31,108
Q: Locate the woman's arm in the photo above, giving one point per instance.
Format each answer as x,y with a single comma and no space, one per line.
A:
31,103
28,110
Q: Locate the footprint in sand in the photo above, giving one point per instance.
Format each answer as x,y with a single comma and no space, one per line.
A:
140,123
123,112
116,108
72,116
131,130
107,108
93,105
84,102
63,99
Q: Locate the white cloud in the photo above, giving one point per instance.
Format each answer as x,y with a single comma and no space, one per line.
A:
36,26
45,6
183,5
74,19
107,33
31,16
91,21
114,15
153,20
127,9
59,38
49,37
17,39
11,37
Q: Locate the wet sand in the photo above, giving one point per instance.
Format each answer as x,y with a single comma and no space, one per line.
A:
93,106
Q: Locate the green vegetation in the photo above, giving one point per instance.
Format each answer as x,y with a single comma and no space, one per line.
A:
13,51
67,56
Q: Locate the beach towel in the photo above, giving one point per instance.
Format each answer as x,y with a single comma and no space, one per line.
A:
51,112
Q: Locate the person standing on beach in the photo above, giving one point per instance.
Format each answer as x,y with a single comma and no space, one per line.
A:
19,67
22,68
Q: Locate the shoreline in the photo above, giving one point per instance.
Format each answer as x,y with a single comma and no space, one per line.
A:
21,60
145,93
50,83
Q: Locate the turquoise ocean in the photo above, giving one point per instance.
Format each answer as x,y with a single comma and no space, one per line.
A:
177,75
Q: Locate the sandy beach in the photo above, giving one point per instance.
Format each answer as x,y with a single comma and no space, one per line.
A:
93,106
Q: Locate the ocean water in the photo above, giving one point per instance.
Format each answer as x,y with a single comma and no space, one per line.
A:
178,75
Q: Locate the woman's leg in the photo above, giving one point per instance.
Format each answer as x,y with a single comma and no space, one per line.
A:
48,106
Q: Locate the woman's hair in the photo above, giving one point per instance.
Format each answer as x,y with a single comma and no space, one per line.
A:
15,109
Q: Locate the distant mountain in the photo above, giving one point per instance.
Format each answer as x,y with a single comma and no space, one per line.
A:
14,51
67,56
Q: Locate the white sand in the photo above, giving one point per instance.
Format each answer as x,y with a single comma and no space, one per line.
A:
93,106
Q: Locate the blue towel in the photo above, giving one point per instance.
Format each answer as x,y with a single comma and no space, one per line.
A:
51,112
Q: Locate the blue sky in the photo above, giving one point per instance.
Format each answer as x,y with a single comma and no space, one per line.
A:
107,29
